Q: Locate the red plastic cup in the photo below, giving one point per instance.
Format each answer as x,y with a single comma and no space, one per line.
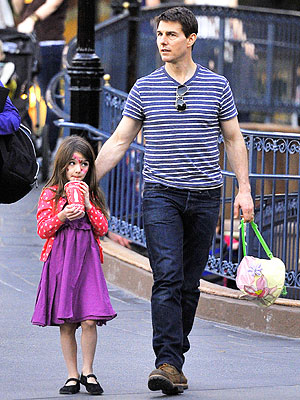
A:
74,194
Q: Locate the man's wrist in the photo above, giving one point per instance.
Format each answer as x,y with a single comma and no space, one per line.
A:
34,17
244,187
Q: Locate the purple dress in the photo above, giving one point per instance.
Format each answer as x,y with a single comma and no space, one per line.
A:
72,286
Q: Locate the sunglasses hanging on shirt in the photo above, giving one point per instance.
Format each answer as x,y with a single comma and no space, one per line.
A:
180,104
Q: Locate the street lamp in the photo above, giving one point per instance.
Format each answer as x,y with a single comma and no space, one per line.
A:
133,7
85,72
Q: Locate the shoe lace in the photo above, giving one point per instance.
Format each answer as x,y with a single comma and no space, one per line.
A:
164,365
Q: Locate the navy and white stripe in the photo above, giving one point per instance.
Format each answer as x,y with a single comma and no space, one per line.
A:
182,147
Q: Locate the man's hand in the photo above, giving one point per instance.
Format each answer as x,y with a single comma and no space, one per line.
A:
119,239
244,202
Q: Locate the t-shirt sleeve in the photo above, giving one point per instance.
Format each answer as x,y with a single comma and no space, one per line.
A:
133,107
227,106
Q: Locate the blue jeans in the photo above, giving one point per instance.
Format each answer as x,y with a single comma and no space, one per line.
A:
179,227
50,65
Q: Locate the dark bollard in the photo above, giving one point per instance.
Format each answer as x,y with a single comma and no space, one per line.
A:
134,15
117,7
85,72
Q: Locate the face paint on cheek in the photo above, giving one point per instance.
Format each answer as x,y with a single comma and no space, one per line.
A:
84,170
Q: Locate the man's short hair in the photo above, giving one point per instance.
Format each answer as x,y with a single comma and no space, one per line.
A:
182,15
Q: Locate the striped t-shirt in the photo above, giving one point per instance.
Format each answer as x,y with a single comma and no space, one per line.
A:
181,148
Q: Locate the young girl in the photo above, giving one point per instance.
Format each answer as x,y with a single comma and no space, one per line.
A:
72,290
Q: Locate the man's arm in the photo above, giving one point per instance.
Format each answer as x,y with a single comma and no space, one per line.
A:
238,159
115,147
43,12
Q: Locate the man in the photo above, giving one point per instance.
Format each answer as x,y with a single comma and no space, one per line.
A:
47,19
181,106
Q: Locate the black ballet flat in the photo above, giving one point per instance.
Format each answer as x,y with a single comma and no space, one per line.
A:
70,389
92,388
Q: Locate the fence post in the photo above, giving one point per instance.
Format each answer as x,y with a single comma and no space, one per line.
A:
221,46
269,68
85,71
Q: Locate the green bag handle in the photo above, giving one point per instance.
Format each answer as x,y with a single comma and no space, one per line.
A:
259,237
262,242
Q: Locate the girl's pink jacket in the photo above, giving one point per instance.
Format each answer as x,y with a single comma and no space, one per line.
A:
48,223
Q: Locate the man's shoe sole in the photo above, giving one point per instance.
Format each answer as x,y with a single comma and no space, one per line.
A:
159,382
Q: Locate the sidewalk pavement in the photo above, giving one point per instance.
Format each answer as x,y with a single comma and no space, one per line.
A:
224,362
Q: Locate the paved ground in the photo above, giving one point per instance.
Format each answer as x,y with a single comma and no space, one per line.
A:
224,363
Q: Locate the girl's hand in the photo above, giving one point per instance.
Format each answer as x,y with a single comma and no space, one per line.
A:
70,212
86,192
73,212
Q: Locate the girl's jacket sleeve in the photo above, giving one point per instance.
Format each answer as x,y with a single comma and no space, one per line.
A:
9,118
98,221
47,221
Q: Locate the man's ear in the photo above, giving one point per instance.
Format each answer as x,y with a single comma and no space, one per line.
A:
191,39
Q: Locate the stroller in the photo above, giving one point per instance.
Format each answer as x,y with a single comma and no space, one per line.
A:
22,51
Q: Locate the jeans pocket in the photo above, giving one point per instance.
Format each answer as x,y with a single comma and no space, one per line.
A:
214,194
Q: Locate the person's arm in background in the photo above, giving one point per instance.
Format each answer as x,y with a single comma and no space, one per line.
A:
17,6
9,118
7,72
115,147
46,9
238,159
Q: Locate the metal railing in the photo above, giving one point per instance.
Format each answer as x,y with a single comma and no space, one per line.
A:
274,171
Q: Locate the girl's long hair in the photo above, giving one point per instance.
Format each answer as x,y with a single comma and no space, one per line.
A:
68,147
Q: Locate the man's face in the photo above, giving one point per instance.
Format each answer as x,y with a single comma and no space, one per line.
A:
172,44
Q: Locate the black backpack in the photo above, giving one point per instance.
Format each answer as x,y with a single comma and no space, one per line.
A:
19,167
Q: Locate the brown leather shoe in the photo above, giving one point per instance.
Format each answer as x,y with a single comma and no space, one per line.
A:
184,381
167,379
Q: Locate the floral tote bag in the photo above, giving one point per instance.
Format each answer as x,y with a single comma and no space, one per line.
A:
260,280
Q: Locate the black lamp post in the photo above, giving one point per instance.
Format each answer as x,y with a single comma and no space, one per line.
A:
85,71
133,33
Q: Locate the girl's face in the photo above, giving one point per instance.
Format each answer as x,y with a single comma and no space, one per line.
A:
77,167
